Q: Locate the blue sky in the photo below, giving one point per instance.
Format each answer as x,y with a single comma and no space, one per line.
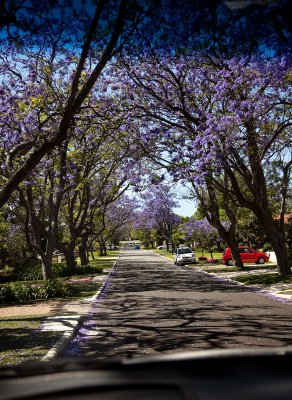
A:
186,209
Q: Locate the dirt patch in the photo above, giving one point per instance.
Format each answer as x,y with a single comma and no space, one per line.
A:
49,307
80,280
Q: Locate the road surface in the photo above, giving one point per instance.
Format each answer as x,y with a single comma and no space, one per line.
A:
152,306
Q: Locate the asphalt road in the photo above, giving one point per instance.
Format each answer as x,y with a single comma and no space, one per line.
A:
152,306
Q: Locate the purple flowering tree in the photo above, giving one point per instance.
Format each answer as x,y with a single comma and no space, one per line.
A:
115,222
157,213
219,125
200,232
95,180
40,199
67,194
47,78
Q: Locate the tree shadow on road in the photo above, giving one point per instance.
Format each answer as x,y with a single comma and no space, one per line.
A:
166,311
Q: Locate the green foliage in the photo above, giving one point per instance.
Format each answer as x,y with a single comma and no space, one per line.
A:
249,231
267,247
57,288
16,292
88,269
61,270
28,274
21,292
6,274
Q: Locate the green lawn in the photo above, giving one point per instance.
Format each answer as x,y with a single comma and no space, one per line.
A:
100,260
220,269
21,339
270,278
208,255
20,336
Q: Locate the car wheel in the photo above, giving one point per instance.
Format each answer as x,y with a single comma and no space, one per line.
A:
261,260
175,263
229,262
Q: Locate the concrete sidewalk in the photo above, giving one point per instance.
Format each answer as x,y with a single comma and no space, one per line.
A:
73,315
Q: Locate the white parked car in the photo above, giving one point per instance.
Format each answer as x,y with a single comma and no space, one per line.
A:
184,255
164,247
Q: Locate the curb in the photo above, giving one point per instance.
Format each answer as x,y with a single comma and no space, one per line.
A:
60,346
63,342
169,259
262,292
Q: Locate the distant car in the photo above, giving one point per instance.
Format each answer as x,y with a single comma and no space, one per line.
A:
112,247
57,253
247,255
164,247
137,247
184,255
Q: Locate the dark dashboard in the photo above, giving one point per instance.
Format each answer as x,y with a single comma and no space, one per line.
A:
206,375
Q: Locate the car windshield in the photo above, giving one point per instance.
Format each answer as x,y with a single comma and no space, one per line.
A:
132,132
185,250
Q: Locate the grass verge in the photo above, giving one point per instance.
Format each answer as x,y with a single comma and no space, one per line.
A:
263,279
234,269
20,336
22,340
164,253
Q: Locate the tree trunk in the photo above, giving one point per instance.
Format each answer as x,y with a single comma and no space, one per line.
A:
83,253
69,256
167,245
212,213
229,238
236,255
47,270
277,241
91,252
102,249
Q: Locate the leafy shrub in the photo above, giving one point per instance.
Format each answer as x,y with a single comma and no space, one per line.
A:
6,294
88,269
28,274
21,292
57,288
16,291
267,247
6,274
61,270
7,270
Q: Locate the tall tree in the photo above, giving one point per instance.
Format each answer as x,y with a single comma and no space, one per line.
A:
211,120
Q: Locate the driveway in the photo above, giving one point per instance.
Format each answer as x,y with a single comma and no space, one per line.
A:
151,306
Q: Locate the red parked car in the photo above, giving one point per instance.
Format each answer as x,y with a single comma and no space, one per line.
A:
247,255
